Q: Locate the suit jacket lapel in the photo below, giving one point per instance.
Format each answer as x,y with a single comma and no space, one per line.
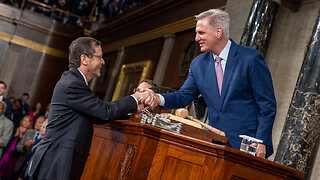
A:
231,63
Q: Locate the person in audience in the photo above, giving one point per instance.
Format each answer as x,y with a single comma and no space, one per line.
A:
17,113
29,138
24,104
145,83
44,10
12,99
36,111
10,156
60,4
31,151
46,113
6,128
8,111
110,10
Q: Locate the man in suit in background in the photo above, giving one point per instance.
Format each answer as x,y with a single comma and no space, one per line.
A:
8,111
235,82
24,104
74,108
6,128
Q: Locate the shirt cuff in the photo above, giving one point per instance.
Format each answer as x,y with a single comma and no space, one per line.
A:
162,101
135,99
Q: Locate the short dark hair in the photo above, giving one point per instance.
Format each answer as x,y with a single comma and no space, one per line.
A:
5,86
153,84
26,94
82,45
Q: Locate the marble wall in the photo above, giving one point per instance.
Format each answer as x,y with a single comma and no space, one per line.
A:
290,37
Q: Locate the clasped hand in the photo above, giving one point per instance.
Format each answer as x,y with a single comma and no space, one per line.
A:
147,99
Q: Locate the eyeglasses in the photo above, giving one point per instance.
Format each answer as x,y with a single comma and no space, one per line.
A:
99,57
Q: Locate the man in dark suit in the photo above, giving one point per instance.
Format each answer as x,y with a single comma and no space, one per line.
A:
3,88
74,108
24,104
235,82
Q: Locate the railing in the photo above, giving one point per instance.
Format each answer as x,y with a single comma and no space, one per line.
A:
92,11
43,5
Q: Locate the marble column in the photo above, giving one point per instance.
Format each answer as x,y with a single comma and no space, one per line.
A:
299,140
258,29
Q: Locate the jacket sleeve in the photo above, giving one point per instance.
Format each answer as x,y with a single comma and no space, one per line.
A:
187,93
82,99
262,88
20,144
5,137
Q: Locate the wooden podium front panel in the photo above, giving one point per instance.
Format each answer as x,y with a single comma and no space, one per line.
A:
174,162
102,164
129,150
238,171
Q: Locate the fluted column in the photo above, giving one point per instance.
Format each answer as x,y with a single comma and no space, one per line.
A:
258,28
299,140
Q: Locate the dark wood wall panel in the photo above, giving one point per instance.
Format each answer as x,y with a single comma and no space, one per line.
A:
150,50
48,75
172,77
103,81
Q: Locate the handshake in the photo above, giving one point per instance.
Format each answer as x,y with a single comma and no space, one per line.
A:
147,99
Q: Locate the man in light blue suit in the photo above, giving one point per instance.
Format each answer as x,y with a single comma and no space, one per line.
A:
241,98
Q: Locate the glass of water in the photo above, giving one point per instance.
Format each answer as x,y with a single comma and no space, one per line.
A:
249,144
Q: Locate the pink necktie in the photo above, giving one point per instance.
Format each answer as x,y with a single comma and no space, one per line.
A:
219,73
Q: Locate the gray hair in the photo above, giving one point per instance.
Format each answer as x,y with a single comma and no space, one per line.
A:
217,18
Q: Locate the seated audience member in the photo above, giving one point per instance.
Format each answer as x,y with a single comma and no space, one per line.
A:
36,111
3,88
6,128
60,4
10,156
44,10
46,113
145,83
17,113
24,104
12,99
29,138
110,10
31,151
